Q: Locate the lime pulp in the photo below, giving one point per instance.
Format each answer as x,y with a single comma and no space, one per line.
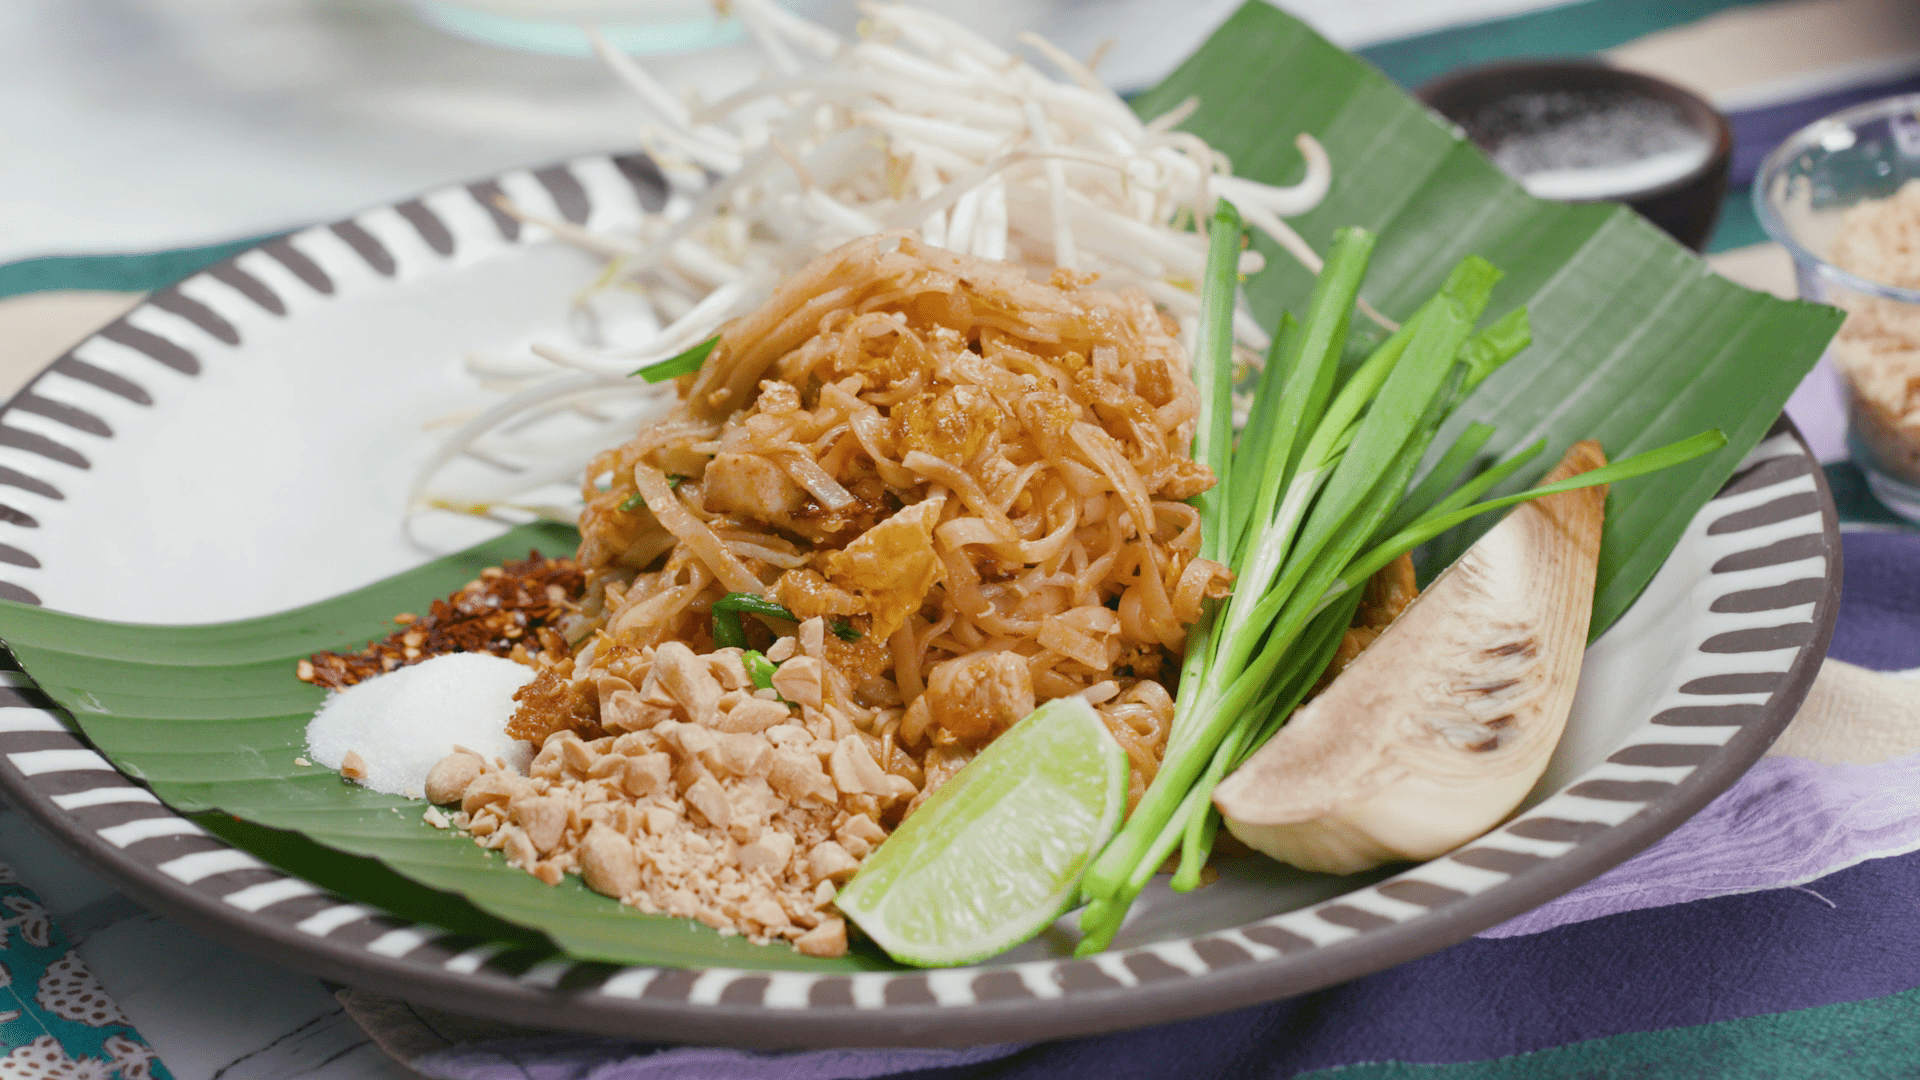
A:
996,854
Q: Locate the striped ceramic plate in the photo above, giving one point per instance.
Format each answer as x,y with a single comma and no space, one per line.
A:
269,397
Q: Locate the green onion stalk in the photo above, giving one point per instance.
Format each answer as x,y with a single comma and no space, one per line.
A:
1313,500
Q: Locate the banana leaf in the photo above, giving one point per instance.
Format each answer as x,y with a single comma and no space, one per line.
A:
213,719
1636,344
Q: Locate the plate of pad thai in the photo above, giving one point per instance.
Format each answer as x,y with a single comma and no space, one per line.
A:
924,551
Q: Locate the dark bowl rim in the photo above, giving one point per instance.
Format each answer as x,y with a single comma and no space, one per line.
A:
1717,160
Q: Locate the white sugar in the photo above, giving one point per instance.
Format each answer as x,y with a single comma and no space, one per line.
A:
402,722
1564,146
1599,182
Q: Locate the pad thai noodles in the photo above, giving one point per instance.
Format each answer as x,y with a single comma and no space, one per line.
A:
925,479
944,492
940,455
978,477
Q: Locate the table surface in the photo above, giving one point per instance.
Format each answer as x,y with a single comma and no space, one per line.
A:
215,107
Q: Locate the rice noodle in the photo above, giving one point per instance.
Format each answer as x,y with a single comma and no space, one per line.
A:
699,540
979,475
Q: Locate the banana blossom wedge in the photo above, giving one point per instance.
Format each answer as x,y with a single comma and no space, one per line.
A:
1435,733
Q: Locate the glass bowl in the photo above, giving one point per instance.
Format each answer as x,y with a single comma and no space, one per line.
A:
1804,189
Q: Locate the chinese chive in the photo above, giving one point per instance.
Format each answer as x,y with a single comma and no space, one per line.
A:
759,668
684,364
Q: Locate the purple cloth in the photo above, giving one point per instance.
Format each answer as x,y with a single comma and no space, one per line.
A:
1880,602
1633,951
1757,131
1710,960
564,1057
1787,822
1818,408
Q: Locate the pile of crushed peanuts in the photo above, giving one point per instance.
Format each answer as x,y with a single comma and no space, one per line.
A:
711,798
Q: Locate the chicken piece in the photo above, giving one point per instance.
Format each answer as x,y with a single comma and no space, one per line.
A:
976,697
751,486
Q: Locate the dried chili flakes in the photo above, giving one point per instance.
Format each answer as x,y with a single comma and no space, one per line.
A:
509,611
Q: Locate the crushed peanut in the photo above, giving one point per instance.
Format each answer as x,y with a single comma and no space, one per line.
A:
699,800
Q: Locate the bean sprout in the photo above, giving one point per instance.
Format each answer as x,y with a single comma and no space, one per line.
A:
919,124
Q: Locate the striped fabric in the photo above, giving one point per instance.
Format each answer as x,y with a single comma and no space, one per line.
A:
1776,934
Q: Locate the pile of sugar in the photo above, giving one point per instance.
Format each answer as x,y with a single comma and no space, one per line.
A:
1570,146
1601,182
402,722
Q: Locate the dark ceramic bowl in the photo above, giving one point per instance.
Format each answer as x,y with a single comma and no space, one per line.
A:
1483,101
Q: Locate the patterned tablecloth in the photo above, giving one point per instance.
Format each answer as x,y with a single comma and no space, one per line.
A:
62,1023
1776,934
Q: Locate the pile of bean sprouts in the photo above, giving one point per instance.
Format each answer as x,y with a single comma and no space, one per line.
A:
919,124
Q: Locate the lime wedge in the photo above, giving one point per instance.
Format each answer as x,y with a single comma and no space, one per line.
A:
996,853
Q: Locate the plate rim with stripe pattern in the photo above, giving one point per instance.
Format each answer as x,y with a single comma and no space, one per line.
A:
174,865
